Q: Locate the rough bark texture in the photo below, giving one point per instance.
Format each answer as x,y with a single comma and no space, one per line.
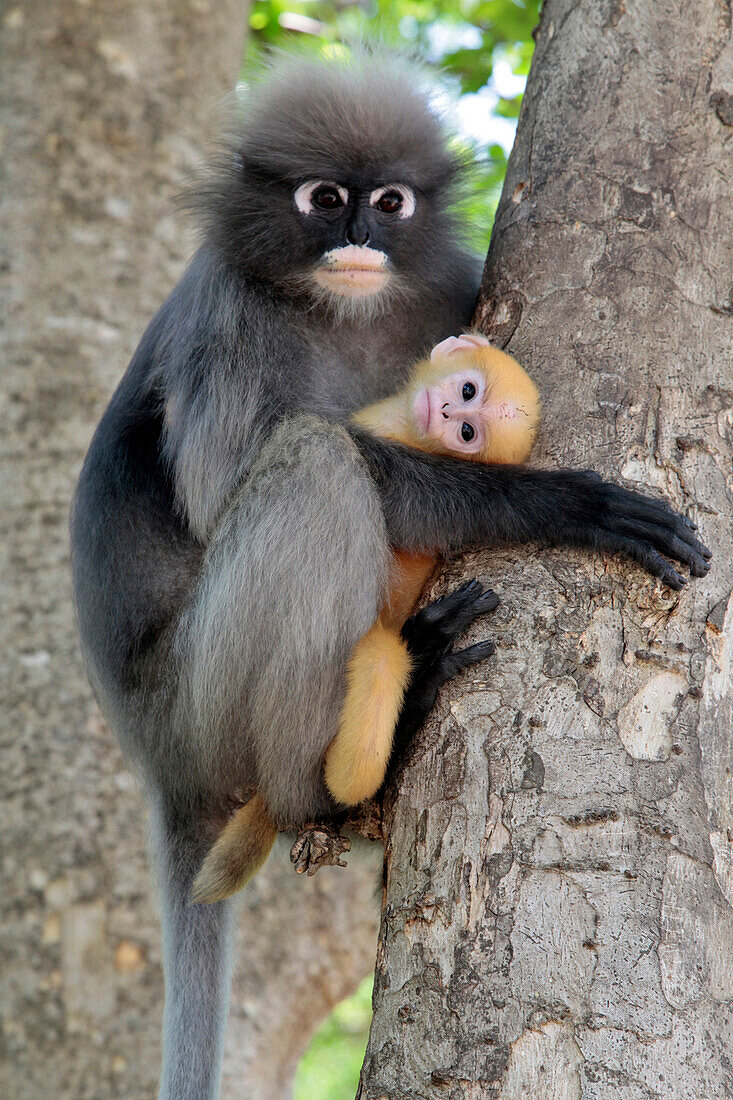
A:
104,107
557,919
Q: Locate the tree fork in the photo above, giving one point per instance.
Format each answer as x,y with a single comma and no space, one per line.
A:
557,915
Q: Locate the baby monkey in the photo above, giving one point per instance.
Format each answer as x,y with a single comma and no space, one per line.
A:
468,400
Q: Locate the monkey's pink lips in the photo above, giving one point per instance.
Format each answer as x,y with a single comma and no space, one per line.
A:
421,409
352,281
353,270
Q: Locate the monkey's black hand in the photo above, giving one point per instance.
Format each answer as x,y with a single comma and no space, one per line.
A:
463,505
429,635
437,625
644,529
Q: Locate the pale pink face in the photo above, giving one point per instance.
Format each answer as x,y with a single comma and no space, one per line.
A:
452,412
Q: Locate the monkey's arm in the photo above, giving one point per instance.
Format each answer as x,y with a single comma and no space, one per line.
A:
449,505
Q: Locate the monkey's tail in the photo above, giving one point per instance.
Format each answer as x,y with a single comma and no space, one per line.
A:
241,848
196,960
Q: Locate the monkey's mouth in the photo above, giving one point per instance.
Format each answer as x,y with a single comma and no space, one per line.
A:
353,271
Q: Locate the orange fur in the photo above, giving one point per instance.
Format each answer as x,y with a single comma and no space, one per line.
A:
410,574
241,848
377,677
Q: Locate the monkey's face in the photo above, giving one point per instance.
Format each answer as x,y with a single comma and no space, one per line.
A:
338,185
355,226
452,412
473,401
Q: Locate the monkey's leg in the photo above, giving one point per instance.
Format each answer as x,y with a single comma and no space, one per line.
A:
196,959
377,677
382,668
264,643
241,848
429,634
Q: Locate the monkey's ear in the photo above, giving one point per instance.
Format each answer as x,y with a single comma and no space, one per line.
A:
240,850
465,342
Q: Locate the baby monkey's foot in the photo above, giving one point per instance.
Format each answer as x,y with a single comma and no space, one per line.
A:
429,635
440,623
316,846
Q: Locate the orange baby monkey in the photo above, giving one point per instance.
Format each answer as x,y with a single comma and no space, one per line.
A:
469,400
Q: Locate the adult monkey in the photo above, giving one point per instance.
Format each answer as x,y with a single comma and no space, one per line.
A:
230,538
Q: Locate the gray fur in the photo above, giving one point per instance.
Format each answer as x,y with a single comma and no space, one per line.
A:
267,615
197,949
229,536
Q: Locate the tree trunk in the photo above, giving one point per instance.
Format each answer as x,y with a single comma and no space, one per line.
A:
557,919
104,107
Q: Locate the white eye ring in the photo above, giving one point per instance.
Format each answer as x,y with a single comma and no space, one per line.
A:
408,198
303,195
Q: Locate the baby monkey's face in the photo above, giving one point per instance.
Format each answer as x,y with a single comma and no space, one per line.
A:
472,408
453,412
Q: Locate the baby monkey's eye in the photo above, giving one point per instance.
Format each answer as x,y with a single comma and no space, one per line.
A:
327,198
467,431
468,391
390,202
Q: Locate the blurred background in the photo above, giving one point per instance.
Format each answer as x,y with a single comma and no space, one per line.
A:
480,53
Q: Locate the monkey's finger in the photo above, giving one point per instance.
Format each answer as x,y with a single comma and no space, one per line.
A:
630,503
625,505
675,526
697,559
688,549
646,555
488,601
453,663
447,604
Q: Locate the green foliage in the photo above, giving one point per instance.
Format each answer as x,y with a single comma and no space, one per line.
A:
330,1068
463,40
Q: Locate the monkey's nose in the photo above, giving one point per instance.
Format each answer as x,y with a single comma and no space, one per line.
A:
357,232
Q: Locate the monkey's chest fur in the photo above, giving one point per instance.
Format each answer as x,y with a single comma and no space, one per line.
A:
353,365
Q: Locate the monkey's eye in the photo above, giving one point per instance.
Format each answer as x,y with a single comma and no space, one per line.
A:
467,432
468,392
327,198
320,195
396,199
390,202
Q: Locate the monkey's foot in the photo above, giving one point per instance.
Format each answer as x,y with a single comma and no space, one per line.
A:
438,625
316,846
429,635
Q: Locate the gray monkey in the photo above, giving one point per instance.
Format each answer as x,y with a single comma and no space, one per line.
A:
231,529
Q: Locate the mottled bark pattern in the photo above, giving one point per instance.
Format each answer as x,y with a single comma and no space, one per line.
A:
557,919
104,109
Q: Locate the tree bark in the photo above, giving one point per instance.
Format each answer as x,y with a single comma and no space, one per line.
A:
104,108
557,920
